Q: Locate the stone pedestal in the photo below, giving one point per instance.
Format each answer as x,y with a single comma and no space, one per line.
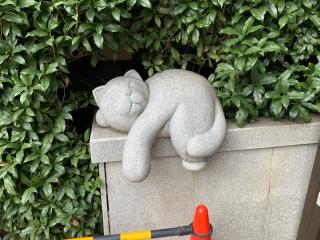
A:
254,187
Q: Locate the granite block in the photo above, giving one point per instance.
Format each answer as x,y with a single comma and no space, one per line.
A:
106,144
164,199
291,171
254,187
235,189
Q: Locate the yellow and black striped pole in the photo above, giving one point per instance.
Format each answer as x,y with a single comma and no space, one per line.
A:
160,233
200,229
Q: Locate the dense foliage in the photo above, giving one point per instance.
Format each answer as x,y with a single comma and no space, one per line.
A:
262,57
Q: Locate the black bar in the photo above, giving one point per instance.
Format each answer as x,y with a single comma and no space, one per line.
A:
108,237
169,232
161,233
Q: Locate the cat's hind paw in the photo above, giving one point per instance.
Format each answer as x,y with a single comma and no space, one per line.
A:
194,166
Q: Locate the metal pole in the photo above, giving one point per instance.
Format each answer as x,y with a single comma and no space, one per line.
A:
159,233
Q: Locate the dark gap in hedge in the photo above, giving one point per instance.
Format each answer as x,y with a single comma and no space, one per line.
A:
84,77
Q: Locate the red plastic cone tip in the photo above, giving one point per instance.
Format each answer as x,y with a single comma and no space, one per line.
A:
201,225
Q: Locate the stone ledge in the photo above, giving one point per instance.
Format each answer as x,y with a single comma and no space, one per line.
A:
106,144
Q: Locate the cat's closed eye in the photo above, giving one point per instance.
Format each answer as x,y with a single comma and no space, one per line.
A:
138,96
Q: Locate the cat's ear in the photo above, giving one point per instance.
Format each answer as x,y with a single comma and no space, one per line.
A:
134,74
97,93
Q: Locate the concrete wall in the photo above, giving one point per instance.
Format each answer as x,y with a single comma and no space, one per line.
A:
254,187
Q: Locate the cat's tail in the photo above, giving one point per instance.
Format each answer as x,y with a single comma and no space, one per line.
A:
206,144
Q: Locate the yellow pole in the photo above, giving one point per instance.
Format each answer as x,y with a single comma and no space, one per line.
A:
135,235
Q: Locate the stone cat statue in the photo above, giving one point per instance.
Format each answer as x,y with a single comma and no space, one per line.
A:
176,103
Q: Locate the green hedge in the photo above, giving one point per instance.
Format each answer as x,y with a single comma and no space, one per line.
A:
262,57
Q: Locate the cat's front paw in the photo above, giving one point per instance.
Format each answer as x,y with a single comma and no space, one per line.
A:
100,119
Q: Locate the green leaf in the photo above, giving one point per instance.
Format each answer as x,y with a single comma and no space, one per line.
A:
131,3
113,27
84,27
314,107
175,54
90,13
46,143
45,159
157,20
74,161
62,137
179,8
254,29
195,36
221,2
253,49
272,94
12,17
30,112
59,125
70,192
236,100
276,107
100,4
3,57
316,20
145,3
51,68
86,136
37,33
247,25
116,14
230,31
17,114
296,95
294,111
19,156
194,6
281,5
27,3
98,40
27,195
257,96
9,185
284,85
47,189
252,60
283,21
286,74
285,101
268,79
224,67
247,90
211,78
19,59
60,169
259,13
86,45
272,9
239,63
304,114
271,47
241,117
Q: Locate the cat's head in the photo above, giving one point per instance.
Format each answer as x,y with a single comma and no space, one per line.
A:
121,101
